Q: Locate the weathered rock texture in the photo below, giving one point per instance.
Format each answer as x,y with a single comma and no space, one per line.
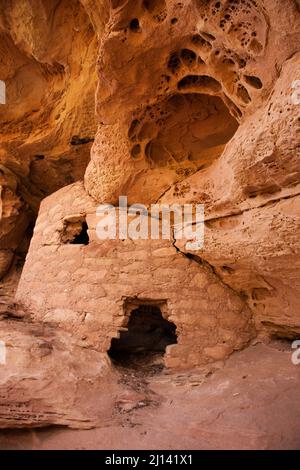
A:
218,64
50,379
48,52
251,403
194,105
251,196
97,286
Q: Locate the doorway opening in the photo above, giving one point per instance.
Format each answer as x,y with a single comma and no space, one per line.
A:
75,231
144,342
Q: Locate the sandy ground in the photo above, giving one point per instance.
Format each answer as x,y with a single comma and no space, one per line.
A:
251,403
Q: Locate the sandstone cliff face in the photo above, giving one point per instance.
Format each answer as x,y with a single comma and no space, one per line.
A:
252,218
193,105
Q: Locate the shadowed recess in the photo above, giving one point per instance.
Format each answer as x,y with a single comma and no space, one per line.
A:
148,334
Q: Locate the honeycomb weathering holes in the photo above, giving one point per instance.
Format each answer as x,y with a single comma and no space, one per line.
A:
157,9
136,151
200,42
117,3
188,57
174,62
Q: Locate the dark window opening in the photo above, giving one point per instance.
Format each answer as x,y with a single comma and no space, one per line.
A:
75,231
145,341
